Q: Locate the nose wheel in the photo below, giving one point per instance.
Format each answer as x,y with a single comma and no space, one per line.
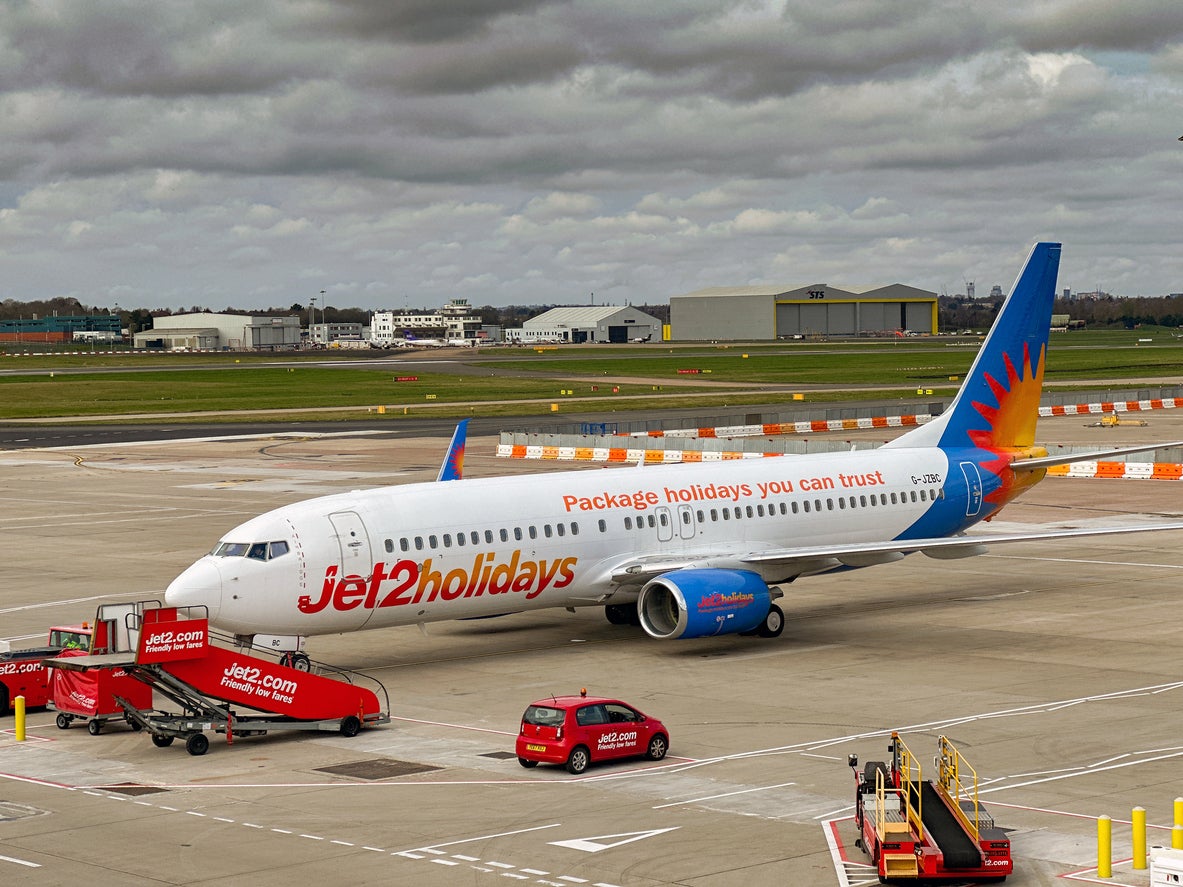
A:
298,661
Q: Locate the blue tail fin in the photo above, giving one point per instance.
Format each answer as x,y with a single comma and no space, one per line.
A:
998,405
453,466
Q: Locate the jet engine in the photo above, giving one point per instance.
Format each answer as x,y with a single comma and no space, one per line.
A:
697,603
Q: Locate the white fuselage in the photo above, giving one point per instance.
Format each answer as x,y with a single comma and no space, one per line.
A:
479,547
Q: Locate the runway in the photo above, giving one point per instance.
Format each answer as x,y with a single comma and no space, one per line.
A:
1055,669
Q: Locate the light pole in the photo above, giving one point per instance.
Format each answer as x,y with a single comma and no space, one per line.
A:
322,315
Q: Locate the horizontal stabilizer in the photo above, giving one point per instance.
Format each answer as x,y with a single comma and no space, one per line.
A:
1049,461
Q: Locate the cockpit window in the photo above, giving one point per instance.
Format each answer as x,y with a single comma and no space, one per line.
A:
259,551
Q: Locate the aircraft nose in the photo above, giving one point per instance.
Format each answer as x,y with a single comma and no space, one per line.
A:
199,586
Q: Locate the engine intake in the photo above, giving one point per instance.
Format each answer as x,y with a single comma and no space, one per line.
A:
699,603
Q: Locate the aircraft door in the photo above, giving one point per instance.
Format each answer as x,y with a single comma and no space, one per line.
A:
973,486
354,542
665,524
686,522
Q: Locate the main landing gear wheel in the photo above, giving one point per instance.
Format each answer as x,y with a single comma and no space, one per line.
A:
63,721
774,623
197,744
622,614
579,760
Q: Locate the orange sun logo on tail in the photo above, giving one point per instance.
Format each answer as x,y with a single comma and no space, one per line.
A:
1011,424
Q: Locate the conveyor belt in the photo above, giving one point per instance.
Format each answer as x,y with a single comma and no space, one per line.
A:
942,826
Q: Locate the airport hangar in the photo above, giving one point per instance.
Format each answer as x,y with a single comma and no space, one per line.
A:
771,312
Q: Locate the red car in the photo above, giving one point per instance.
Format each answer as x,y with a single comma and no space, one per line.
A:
577,730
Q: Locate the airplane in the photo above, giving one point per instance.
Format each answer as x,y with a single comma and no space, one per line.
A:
684,550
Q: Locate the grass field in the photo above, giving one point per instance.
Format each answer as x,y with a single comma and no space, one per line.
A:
523,380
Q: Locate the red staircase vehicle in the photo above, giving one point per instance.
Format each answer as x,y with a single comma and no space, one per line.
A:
171,652
915,829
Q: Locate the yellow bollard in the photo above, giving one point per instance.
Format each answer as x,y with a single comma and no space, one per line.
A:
1178,811
381,409
1177,838
1138,821
19,710
1104,847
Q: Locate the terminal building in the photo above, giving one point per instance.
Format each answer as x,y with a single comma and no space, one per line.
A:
770,312
595,323
220,332
455,322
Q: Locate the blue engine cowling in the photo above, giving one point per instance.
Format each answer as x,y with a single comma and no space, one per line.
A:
702,603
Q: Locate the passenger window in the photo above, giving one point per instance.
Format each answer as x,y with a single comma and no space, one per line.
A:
726,514
390,546
785,510
447,540
841,503
560,529
794,508
517,534
913,495
460,539
546,530
686,518
628,523
701,516
574,528
817,504
652,522
404,544
533,530
749,511
714,515
488,537
603,524
862,501
893,499
829,505
432,541
759,510
805,505
924,495
418,543
504,534
663,519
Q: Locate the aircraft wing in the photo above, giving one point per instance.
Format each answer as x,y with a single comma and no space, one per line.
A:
818,558
1049,461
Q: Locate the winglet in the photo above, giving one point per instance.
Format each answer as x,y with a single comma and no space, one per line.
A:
453,465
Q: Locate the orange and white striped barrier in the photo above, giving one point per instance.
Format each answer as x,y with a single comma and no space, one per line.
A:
821,426
1123,470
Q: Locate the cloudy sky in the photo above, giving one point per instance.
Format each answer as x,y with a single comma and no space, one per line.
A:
403,152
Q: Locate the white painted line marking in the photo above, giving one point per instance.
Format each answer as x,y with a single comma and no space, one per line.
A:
534,872
523,831
374,849
24,862
222,819
312,837
572,880
466,858
251,825
501,865
281,831
342,843
194,813
169,809
725,795
409,855
444,862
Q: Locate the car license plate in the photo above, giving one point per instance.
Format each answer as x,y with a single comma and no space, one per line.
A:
530,747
